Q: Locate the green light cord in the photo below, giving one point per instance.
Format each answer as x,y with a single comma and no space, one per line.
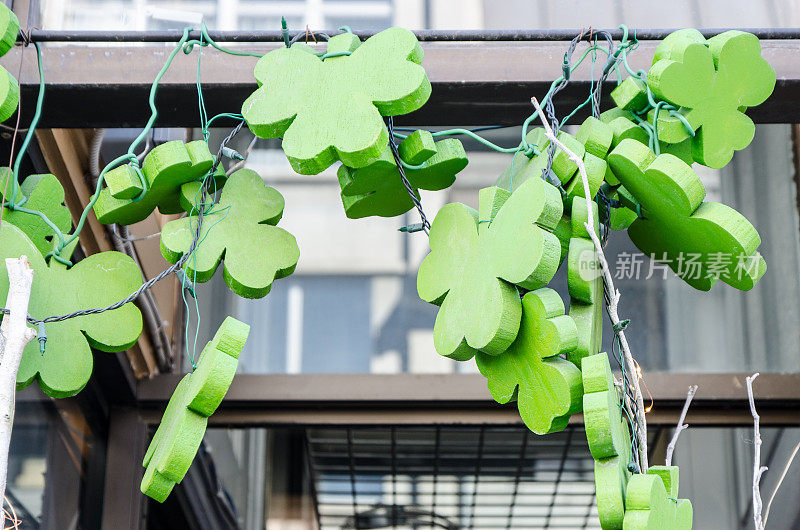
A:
153,90
31,129
230,115
201,104
206,40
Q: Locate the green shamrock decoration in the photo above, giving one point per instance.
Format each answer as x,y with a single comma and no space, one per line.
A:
331,108
652,502
42,193
585,284
591,143
196,397
713,81
9,88
97,281
701,241
377,188
547,388
609,439
478,258
239,230
169,170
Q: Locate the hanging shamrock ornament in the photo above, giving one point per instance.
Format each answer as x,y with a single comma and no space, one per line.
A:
196,397
701,241
239,231
169,170
9,87
585,284
531,372
96,281
713,81
43,194
478,259
331,107
377,189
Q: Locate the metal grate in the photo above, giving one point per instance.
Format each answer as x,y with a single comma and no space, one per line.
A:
454,477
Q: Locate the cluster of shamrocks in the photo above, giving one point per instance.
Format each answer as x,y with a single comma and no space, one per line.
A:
488,270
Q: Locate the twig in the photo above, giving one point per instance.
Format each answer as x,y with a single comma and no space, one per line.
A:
16,334
611,292
758,469
681,426
780,481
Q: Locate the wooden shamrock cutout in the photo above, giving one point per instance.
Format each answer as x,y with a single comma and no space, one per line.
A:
700,241
97,281
591,143
547,388
608,437
377,189
652,501
43,193
332,109
585,284
240,230
196,397
713,81
9,88
168,168
477,259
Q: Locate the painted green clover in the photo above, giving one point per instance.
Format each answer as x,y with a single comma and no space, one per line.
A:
169,169
609,439
377,189
585,284
478,258
546,387
44,194
239,231
9,87
651,501
701,241
591,143
97,281
331,108
713,81
196,397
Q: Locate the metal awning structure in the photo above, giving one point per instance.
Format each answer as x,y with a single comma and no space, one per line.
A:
478,78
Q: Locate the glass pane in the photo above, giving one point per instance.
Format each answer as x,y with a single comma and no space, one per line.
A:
352,306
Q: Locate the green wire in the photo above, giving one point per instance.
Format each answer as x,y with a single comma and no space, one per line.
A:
31,129
205,40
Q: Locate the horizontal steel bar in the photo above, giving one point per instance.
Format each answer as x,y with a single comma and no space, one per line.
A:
474,83
462,399
528,35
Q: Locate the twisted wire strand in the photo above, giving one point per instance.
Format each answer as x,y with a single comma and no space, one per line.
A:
426,225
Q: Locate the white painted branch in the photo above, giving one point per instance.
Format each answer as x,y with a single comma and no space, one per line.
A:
758,469
681,426
611,291
780,481
15,335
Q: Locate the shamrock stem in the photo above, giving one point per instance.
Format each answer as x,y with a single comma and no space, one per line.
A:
14,335
758,469
611,292
681,426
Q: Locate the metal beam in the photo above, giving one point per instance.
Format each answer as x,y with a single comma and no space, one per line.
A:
474,83
461,399
434,35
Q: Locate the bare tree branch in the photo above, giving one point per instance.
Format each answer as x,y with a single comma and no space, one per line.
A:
611,291
681,426
16,335
758,469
